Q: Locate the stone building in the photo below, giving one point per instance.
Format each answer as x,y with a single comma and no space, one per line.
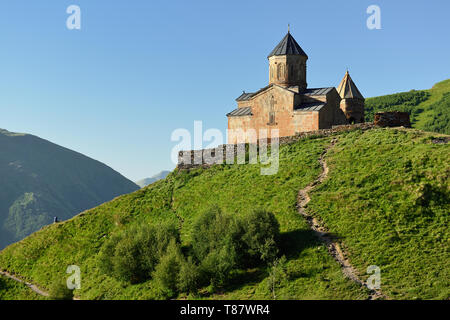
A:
352,102
287,103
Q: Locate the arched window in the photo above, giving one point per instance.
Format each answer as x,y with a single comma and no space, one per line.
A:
271,111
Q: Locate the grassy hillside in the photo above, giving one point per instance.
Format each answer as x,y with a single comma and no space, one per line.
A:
181,197
12,290
429,109
387,199
41,180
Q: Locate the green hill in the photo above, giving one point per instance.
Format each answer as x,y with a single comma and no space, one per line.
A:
41,180
429,109
386,199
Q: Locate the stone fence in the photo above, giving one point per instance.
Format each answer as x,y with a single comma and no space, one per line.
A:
207,157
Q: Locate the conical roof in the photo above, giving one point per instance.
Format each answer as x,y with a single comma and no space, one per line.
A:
287,45
347,88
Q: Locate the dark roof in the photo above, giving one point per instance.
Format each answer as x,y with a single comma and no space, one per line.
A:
245,96
313,106
246,111
287,45
347,88
317,91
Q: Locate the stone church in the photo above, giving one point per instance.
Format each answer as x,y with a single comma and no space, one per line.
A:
289,105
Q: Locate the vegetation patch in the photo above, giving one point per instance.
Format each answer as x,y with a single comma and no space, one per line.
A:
429,110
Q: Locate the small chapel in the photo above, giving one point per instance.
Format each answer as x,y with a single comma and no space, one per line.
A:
287,104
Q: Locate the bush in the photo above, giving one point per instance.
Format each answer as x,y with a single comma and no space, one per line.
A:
188,277
212,230
133,255
58,290
216,245
222,243
168,269
261,235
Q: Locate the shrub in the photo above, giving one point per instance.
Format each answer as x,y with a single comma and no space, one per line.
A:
222,243
261,235
168,269
188,277
277,276
133,255
216,244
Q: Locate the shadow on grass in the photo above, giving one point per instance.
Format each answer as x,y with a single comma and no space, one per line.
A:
294,242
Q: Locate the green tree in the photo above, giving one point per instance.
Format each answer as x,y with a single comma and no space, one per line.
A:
168,269
133,255
216,242
261,235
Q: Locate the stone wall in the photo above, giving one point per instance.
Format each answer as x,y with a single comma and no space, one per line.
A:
392,119
201,158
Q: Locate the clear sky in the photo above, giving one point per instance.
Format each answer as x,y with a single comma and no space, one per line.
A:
137,70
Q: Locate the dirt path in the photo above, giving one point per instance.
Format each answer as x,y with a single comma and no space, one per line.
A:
29,285
322,233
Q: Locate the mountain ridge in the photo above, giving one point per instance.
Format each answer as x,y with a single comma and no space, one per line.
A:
42,180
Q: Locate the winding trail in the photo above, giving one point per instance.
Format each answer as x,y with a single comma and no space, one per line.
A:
29,285
322,233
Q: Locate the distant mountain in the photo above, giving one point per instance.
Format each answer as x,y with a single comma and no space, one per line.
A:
40,180
145,182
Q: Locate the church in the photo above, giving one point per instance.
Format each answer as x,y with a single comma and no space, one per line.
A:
287,104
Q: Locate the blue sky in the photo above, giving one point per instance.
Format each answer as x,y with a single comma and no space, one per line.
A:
137,70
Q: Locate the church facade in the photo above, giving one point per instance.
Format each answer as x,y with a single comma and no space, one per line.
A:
287,104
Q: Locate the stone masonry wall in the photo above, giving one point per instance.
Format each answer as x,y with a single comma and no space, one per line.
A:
199,158
392,119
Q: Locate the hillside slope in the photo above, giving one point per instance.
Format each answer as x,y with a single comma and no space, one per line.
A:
41,180
368,224
429,109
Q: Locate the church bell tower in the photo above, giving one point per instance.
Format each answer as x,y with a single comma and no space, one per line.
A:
287,64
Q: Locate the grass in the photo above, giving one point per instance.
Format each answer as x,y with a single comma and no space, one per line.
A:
388,198
12,290
181,197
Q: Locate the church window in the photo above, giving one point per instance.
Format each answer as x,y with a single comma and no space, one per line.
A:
272,117
272,112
